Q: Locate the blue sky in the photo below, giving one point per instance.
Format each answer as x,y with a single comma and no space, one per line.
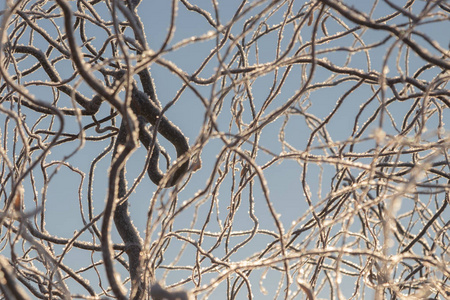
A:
188,113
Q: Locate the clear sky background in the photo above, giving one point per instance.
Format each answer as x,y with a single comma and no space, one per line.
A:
188,113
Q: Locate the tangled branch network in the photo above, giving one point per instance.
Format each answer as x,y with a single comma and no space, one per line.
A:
294,150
